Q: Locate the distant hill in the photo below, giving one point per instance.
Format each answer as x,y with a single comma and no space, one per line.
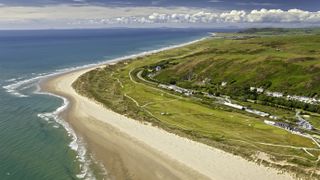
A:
278,31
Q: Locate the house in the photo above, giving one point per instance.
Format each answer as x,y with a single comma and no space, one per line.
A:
233,105
274,117
163,86
274,94
260,90
303,99
177,89
158,68
188,93
272,123
259,113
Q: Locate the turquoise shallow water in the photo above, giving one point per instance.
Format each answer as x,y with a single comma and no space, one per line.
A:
33,144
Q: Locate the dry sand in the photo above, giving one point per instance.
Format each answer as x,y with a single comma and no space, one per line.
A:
133,150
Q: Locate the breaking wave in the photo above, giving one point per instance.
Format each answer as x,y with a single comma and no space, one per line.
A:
76,143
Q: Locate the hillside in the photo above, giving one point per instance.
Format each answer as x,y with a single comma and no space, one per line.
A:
279,63
180,91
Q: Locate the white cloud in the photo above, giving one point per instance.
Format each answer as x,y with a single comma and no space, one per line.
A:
99,16
234,16
280,16
81,12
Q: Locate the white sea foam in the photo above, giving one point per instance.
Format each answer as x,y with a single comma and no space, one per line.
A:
16,87
53,117
76,143
13,88
11,80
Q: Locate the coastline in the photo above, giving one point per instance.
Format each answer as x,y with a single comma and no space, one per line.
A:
124,156
131,149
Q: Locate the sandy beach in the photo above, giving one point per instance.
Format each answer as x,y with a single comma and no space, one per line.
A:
133,150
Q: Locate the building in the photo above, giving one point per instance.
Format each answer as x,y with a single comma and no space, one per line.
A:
259,113
223,83
233,105
274,117
274,94
303,99
272,123
177,89
259,90
158,68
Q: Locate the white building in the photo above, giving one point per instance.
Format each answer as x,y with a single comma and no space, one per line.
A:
233,105
224,83
158,68
259,90
274,94
177,89
303,99
274,117
259,113
272,123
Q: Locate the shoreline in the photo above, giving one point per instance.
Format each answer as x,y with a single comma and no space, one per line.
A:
58,115
121,143
42,77
116,150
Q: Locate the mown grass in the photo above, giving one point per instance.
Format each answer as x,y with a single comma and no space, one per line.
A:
214,125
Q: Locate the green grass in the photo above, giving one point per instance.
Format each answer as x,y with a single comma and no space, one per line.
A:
289,63
214,125
280,31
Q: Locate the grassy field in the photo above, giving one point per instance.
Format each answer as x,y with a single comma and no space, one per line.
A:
118,88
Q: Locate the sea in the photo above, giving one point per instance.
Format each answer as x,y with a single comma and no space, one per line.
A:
35,143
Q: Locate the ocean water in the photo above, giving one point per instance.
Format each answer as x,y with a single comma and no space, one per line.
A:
34,142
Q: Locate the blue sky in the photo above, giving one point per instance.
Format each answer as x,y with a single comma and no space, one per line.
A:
40,14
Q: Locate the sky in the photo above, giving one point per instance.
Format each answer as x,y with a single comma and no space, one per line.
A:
62,14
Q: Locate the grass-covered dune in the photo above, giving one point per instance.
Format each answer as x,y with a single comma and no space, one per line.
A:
290,63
